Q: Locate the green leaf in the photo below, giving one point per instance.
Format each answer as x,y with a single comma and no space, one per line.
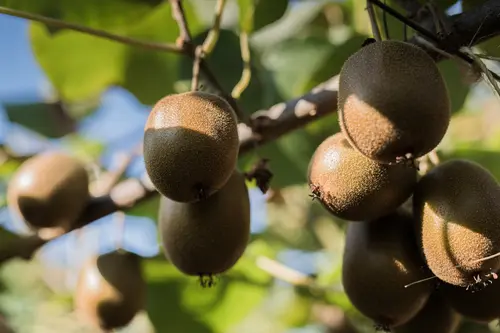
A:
78,65
226,64
300,64
82,66
256,14
457,87
48,119
109,14
177,303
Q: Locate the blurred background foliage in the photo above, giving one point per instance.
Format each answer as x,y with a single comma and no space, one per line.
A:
67,90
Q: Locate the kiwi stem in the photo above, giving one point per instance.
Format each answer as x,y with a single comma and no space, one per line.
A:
492,274
373,21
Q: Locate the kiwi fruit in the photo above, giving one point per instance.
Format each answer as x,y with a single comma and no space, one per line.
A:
111,290
478,305
457,206
393,102
190,145
208,237
380,259
49,190
354,187
437,316
4,327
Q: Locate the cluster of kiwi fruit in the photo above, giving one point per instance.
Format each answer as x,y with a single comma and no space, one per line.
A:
191,150
48,193
422,248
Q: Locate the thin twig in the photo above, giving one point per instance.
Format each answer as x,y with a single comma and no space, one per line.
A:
196,68
412,24
90,31
185,40
246,75
213,35
386,25
373,21
180,17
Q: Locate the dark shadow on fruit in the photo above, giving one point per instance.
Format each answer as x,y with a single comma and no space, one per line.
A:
393,101
184,164
379,260
480,306
457,206
437,316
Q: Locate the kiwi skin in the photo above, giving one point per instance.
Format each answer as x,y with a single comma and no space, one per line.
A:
479,306
457,207
111,290
190,145
437,316
49,190
208,237
379,259
381,106
353,187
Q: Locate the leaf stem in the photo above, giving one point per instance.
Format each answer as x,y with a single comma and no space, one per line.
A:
373,21
246,75
91,31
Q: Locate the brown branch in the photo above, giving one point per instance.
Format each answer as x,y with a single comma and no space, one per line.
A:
268,125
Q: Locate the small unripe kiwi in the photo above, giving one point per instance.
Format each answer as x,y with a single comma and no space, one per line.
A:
393,102
380,258
111,290
480,305
354,187
49,190
437,316
190,145
208,237
457,206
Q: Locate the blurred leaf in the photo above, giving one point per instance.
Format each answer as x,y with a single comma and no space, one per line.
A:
225,62
109,14
148,208
300,64
78,65
489,159
81,66
295,22
48,119
86,149
256,14
457,87
177,303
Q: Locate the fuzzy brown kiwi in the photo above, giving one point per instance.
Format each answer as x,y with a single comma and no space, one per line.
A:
354,187
380,258
111,290
49,190
190,145
480,305
393,102
457,208
437,316
208,237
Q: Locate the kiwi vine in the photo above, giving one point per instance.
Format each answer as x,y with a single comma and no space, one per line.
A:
364,174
